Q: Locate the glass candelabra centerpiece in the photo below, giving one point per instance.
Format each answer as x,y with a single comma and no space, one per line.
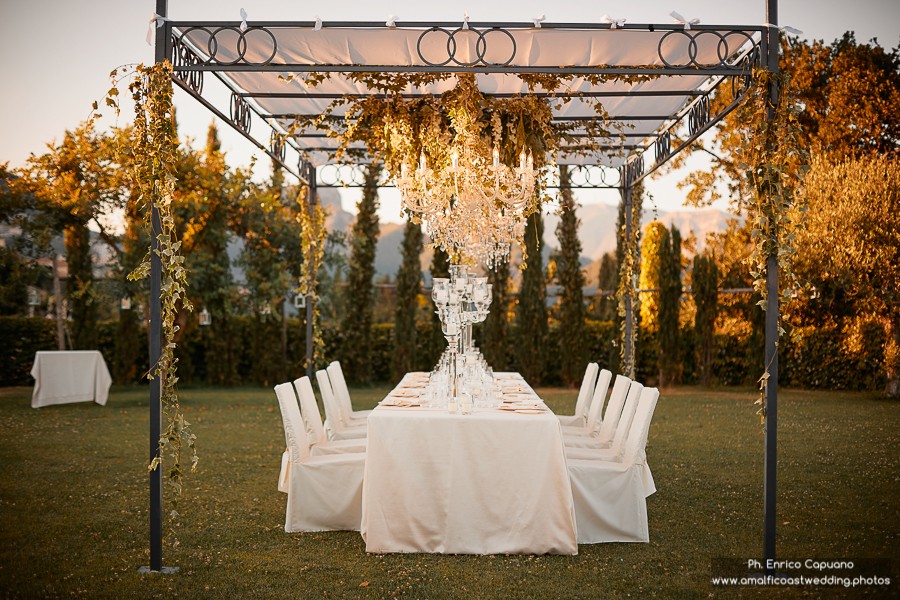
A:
461,301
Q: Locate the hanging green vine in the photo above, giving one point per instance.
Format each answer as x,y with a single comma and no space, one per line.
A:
313,235
774,161
150,165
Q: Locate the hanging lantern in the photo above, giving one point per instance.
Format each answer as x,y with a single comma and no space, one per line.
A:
205,317
299,301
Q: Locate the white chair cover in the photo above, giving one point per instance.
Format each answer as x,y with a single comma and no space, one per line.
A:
618,453
614,409
584,396
618,441
610,497
324,492
593,420
342,393
335,426
314,429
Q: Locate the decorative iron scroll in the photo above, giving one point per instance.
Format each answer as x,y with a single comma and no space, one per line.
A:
277,145
240,113
632,170
182,56
699,115
481,47
742,83
663,146
241,46
727,46
593,176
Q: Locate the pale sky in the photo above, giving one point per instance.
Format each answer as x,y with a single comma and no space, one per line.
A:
57,55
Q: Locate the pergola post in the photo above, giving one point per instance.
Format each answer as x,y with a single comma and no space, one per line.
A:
311,200
772,308
627,198
155,342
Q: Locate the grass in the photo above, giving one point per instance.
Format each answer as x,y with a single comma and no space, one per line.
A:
73,505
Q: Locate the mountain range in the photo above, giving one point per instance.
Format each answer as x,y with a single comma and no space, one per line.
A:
597,231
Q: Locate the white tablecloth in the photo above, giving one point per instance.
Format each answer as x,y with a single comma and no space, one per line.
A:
487,483
69,376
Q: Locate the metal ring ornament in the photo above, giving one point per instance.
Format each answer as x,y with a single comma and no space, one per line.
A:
212,44
480,47
723,49
741,83
240,113
184,56
587,173
632,169
339,175
699,115
663,146
277,145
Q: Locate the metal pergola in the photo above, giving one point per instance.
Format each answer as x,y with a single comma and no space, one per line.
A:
233,52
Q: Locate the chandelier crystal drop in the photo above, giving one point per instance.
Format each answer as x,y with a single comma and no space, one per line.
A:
472,209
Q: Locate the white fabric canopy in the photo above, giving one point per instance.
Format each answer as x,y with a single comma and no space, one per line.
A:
61,377
295,49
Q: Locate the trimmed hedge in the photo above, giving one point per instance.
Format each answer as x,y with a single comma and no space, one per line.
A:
247,350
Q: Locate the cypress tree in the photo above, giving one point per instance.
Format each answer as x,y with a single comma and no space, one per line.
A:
705,284
668,336
573,343
531,310
495,345
409,281
603,308
637,199
440,268
80,288
356,327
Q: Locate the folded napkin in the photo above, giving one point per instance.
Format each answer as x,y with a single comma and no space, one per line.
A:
405,393
399,402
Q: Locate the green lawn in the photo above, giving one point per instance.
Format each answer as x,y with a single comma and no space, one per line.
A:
73,505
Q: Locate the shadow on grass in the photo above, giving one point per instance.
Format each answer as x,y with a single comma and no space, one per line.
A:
73,500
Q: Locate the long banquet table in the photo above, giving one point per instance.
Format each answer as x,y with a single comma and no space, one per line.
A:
490,482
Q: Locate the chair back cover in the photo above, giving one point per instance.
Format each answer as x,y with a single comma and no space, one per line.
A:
614,409
622,429
294,430
640,428
310,411
587,389
333,421
339,388
593,420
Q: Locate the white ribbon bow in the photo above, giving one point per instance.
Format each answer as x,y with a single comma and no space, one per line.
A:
786,29
679,19
318,25
466,21
537,20
392,21
160,21
613,23
243,20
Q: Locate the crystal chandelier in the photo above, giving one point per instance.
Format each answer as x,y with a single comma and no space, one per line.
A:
471,209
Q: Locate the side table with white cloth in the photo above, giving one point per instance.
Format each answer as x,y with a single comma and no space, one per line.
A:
62,377
490,482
